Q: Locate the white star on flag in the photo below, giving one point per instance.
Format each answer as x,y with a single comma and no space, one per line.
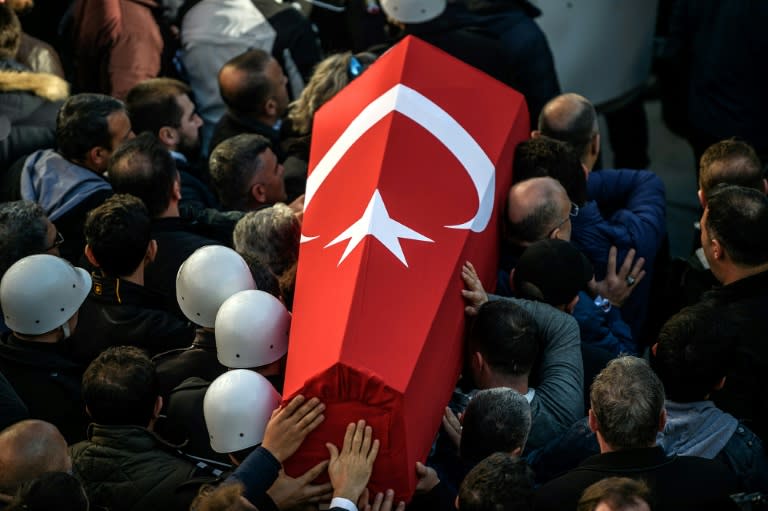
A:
376,222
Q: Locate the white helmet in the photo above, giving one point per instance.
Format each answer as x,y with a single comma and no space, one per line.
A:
40,293
251,330
237,407
207,278
413,11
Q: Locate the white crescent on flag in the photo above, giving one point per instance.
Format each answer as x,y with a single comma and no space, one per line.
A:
435,120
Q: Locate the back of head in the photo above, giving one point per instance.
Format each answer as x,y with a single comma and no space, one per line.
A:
207,279
533,210
41,293
505,334
572,119
82,124
243,84
552,271
120,387
692,353
28,449
738,218
10,33
620,493
252,330
237,407
498,483
144,168
23,232
52,490
233,164
496,420
544,156
328,78
627,399
118,233
272,235
152,104
731,162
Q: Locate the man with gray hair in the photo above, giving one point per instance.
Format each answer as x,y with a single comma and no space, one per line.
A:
627,413
271,235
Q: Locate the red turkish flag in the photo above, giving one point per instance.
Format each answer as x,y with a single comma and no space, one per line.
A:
402,190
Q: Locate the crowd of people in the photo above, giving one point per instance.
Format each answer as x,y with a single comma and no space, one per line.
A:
154,158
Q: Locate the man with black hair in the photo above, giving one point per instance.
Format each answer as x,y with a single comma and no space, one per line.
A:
253,87
123,465
626,414
623,208
500,482
691,359
144,168
119,310
547,157
496,420
246,174
68,182
508,339
733,239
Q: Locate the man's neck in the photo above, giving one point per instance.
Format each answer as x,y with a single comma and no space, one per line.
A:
518,383
171,212
136,277
732,273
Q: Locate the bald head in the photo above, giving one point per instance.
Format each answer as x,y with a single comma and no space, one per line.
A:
537,209
572,119
28,449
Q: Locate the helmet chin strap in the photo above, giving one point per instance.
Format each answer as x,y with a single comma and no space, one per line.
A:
65,329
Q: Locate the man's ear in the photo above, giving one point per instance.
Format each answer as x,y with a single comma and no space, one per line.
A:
151,251
177,188
516,452
765,186
87,411
512,279
702,200
654,348
719,385
594,427
662,419
259,193
535,134
717,249
98,157
456,502
270,107
168,136
89,255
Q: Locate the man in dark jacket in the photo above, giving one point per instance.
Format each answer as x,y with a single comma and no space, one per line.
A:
28,100
627,413
120,310
144,168
40,296
68,182
733,237
621,208
123,464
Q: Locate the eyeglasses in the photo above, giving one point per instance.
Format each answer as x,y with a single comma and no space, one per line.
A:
355,67
574,212
57,242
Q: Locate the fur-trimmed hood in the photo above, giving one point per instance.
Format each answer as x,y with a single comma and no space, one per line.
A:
43,85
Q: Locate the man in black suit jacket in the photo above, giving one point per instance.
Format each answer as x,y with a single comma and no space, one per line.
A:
627,412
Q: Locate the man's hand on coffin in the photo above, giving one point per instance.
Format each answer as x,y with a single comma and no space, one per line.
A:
381,502
426,478
474,295
289,426
617,286
452,426
287,492
350,469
